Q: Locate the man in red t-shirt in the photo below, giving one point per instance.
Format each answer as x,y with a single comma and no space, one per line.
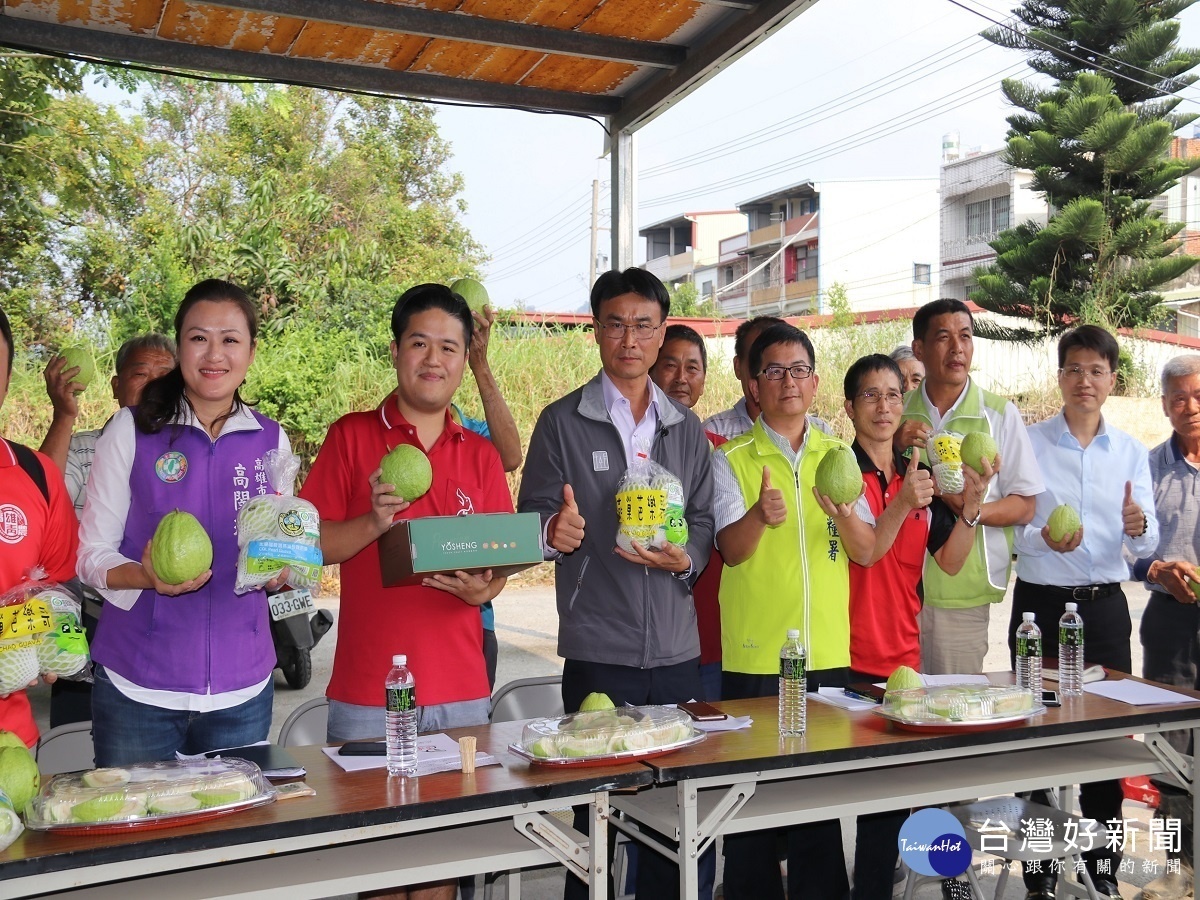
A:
436,623
37,528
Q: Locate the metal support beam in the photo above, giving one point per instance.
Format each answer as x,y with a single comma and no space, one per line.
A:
27,34
706,58
460,27
623,182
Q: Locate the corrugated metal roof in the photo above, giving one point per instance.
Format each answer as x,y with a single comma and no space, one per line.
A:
625,60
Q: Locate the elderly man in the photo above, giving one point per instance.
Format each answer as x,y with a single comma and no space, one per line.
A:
1170,629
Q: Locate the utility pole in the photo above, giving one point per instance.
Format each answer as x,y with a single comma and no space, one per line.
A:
595,232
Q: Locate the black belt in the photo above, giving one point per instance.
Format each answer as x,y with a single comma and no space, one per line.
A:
1083,592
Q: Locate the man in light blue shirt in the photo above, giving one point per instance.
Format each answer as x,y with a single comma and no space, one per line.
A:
1104,474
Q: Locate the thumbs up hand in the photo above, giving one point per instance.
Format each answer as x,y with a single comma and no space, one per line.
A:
917,490
770,506
565,533
1131,513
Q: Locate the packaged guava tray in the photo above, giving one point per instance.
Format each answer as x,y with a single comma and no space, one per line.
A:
604,736
148,795
958,707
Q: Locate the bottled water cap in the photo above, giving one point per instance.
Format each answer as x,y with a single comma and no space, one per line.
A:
793,634
1028,617
399,660
1072,607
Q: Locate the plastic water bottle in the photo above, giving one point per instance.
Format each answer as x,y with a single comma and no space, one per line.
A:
1070,652
793,684
1029,655
401,718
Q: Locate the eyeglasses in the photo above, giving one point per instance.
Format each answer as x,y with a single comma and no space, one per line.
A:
643,331
798,372
872,398
1078,373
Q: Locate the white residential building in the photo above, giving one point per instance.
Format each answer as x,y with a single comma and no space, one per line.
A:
679,248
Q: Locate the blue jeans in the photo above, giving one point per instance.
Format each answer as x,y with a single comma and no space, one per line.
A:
352,722
127,732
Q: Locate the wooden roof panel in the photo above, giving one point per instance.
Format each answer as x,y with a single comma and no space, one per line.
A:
561,14
345,43
591,76
137,16
217,27
655,21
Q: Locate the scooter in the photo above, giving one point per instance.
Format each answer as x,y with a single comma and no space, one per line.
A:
296,627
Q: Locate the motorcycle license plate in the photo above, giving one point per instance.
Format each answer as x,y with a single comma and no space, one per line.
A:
290,603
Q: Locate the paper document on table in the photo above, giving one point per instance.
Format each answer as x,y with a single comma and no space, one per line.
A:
836,696
729,723
1135,693
435,753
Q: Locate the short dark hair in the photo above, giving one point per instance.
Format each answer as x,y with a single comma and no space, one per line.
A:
939,307
865,365
6,333
632,281
1089,337
423,297
782,333
679,332
149,341
741,337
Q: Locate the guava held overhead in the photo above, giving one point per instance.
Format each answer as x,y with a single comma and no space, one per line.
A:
79,357
471,291
408,470
181,549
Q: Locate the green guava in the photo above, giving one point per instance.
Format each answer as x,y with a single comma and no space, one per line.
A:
80,357
19,776
473,292
173,804
1063,522
408,470
595,701
838,476
210,797
8,739
904,679
181,549
1195,586
98,809
975,446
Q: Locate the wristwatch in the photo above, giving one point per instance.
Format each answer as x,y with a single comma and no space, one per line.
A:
971,523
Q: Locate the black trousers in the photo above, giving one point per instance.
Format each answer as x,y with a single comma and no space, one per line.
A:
1106,634
816,863
657,877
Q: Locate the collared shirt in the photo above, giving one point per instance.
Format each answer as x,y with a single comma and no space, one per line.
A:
1092,480
935,415
729,504
736,421
79,466
1177,507
636,436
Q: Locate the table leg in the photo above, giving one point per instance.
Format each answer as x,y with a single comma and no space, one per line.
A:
689,839
1190,784
598,848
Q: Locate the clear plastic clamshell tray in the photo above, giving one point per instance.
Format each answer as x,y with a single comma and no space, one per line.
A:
148,795
607,735
957,706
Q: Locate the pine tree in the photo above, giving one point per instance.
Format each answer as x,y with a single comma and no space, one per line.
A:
1098,143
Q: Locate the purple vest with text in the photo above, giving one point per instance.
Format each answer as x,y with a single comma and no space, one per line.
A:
211,640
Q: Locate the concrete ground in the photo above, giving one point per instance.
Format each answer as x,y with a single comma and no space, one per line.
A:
527,625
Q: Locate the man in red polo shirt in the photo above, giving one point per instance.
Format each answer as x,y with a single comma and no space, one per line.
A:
436,623
37,528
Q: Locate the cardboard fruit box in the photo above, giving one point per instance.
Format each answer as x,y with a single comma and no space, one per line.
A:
416,548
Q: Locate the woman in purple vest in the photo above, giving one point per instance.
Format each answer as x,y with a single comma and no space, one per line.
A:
184,667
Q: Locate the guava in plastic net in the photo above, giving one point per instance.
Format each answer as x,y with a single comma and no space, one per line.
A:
945,459
41,633
650,506
278,531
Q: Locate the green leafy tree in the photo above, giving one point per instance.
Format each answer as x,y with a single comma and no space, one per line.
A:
1098,143
685,301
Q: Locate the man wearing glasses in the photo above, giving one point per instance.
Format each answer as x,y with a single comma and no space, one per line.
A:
626,623
785,567
954,620
1103,474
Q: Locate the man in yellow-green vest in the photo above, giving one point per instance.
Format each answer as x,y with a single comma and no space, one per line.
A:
785,567
954,620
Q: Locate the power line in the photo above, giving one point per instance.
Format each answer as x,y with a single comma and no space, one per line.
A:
545,223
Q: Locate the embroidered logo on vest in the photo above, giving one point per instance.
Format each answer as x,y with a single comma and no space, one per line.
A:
13,524
171,467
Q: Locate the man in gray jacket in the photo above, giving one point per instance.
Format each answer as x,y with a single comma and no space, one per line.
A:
627,625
